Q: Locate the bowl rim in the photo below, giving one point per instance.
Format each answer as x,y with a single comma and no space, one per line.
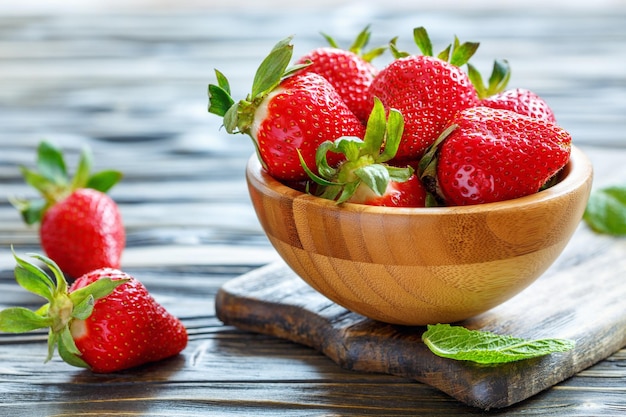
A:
575,174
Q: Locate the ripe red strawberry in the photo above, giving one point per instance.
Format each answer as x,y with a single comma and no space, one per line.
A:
107,321
81,227
286,111
365,177
427,90
489,155
349,71
519,100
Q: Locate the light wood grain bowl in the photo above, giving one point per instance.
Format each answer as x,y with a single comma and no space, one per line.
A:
417,266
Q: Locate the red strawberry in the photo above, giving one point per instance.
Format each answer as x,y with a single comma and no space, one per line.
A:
349,71
364,177
286,111
427,90
519,100
489,155
107,321
81,227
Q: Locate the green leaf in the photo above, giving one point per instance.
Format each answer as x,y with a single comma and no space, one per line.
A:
422,40
348,191
40,183
220,100
81,177
68,350
399,174
500,76
222,82
376,129
271,70
457,342
375,177
394,131
34,282
61,282
83,310
350,146
103,181
606,210
51,163
97,289
20,320
31,211
34,270
462,54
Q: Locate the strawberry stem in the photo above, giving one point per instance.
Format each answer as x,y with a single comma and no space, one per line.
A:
54,183
61,309
364,158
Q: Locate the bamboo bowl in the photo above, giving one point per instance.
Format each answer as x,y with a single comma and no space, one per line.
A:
420,266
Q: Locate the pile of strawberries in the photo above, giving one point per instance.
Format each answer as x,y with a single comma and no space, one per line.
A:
421,131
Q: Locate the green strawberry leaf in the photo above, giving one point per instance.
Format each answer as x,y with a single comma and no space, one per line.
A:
51,163
606,211
82,170
376,129
103,181
84,308
40,183
97,289
30,210
68,350
462,53
422,40
395,128
219,100
272,69
498,80
457,342
375,176
34,283
20,320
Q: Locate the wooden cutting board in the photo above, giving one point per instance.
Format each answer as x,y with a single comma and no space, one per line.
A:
586,303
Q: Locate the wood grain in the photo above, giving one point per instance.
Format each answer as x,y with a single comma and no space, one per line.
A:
273,300
417,266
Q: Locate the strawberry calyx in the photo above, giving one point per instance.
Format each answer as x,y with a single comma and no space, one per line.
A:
239,116
365,159
359,44
62,306
498,80
54,183
456,53
427,169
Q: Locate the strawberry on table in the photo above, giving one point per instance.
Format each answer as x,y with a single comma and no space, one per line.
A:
428,90
286,111
365,177
349,71
106,321
488,155
81,227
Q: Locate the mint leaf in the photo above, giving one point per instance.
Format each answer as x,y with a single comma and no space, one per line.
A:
456,342
606,210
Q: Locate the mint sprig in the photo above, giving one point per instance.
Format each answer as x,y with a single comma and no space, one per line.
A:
457,342
606,211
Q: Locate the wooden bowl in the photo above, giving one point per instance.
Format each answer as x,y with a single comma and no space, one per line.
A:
417,266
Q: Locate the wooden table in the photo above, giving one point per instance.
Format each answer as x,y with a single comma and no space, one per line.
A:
132,86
